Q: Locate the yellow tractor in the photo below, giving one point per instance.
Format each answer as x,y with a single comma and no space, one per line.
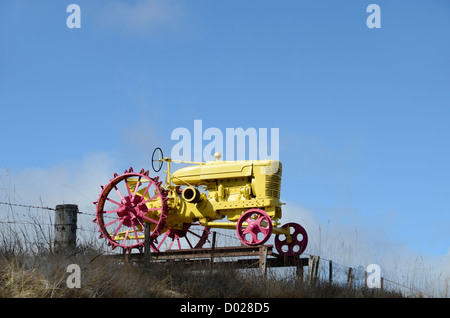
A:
240,195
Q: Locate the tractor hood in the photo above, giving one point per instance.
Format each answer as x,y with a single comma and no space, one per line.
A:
210,170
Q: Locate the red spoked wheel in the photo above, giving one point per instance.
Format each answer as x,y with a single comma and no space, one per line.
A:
293,244
125,204
254,227
189,237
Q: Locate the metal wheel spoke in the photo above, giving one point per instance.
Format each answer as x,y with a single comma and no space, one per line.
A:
117,231
108,224
171,243
149,219
138,184
115,202
195,234
128,187
118,192
146,190
126,236
189,242
136,234
111,211
164,238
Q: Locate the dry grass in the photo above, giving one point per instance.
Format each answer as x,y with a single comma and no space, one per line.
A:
29,268
44,275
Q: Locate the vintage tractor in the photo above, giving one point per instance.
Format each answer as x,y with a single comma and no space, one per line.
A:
239,195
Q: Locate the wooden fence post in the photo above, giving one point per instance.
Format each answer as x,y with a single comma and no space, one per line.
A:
365,279
147,248
213,247
299,271
350,277
313,268
263,261
65,227
330,273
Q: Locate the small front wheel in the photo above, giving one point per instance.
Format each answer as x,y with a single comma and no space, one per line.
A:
293,244
254,227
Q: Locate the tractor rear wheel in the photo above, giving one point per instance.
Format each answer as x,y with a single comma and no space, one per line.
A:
191,236
125,204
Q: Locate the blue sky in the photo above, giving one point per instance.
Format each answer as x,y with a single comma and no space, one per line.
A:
363,113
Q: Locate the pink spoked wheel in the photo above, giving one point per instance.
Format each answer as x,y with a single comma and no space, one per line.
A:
191,236
125,204
293,244
254,227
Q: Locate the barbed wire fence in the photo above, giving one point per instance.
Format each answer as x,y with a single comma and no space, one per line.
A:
330,271
31,228
43,208
43,224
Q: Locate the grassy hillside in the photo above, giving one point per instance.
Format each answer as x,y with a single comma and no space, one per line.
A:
29,268
44,274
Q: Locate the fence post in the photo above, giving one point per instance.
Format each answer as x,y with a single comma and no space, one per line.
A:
350,277
299,271
263,261
213,247
330,273
313,268
147,248
65,227
365,279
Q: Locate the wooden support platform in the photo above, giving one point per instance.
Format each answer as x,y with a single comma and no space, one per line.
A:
238,257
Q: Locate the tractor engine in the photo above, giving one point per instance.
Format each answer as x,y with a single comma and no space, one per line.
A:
220,188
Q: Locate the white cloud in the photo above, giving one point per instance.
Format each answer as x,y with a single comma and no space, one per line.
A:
69,183
75,182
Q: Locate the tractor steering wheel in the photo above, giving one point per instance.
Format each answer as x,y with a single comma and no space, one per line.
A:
159,152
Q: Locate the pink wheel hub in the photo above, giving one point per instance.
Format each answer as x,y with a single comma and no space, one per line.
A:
131,212
254,227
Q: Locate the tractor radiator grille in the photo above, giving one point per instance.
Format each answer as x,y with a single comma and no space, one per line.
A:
273,184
